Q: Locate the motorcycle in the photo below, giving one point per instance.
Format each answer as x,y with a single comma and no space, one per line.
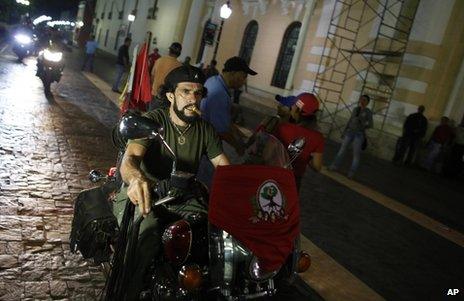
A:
49,67
207,257
23,45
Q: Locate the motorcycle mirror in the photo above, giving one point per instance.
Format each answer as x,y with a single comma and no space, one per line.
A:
294,149
297,145
95,176
136,127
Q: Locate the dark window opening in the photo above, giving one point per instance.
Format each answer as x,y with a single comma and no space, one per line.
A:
106,36
248,41
287,50
152,11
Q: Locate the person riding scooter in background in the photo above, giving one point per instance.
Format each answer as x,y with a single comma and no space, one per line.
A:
296,119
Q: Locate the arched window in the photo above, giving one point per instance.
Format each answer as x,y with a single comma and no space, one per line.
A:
287,49
248,41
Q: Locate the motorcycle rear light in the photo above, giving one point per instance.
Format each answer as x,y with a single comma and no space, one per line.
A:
177,241
304,262
112,171
190,277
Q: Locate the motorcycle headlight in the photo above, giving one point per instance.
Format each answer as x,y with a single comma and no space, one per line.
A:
257,272
52,56
23,39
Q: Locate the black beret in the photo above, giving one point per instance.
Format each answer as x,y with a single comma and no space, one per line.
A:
183,74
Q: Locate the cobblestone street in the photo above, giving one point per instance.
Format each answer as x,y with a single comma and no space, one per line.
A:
47,147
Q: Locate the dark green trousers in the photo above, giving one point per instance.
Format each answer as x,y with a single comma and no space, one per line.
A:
149,243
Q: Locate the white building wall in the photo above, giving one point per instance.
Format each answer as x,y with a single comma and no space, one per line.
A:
164,27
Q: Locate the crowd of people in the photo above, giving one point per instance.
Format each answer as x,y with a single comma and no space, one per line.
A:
443,152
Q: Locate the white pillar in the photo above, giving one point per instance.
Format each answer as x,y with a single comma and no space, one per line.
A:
191,30
299,44
454,108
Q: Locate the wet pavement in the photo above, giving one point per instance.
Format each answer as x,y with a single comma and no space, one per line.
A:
47,147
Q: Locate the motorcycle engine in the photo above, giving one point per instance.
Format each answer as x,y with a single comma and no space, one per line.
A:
234,269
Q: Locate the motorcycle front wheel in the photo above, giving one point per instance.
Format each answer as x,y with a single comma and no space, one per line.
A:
46,83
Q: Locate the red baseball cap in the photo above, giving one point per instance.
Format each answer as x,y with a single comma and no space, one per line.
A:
310,103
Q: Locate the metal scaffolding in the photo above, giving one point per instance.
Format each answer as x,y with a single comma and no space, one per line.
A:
362,54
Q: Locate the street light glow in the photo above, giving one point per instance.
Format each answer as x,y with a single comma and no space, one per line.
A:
41,19
226,11
23,2
131,17
64,23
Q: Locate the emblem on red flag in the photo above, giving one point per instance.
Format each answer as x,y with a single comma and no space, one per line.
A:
269,203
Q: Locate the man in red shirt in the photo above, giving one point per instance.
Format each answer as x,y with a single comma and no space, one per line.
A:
152,58
442,136
296,119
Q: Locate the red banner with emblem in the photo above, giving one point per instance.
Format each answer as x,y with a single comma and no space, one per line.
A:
258,205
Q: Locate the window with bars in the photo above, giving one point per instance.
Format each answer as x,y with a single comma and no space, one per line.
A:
248,41
287,50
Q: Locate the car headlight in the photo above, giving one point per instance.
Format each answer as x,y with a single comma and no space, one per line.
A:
23,39
257,272
52,56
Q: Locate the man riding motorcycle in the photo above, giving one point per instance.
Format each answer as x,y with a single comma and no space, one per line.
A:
146,161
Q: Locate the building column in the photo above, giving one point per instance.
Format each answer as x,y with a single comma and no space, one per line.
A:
184,12
300,44
191,29
455,106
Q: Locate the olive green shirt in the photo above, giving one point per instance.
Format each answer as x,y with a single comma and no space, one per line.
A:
200,139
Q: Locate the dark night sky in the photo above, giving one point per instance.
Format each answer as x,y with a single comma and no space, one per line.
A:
54,8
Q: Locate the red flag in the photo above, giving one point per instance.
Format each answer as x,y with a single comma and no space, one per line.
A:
140,95
258,205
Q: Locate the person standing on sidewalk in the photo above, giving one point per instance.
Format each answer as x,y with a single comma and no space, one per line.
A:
152,58
90,49
216,108
211,69
414,130
122,63
360,121
454,161
162,67
442,137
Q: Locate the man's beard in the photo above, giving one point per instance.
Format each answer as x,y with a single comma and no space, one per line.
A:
181,113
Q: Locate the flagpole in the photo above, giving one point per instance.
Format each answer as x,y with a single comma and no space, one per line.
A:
130,78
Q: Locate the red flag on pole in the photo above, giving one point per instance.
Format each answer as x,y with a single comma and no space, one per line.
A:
140,95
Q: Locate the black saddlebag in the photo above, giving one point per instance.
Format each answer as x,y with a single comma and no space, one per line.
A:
94,227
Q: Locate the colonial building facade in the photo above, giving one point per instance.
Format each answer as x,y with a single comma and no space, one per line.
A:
403,53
